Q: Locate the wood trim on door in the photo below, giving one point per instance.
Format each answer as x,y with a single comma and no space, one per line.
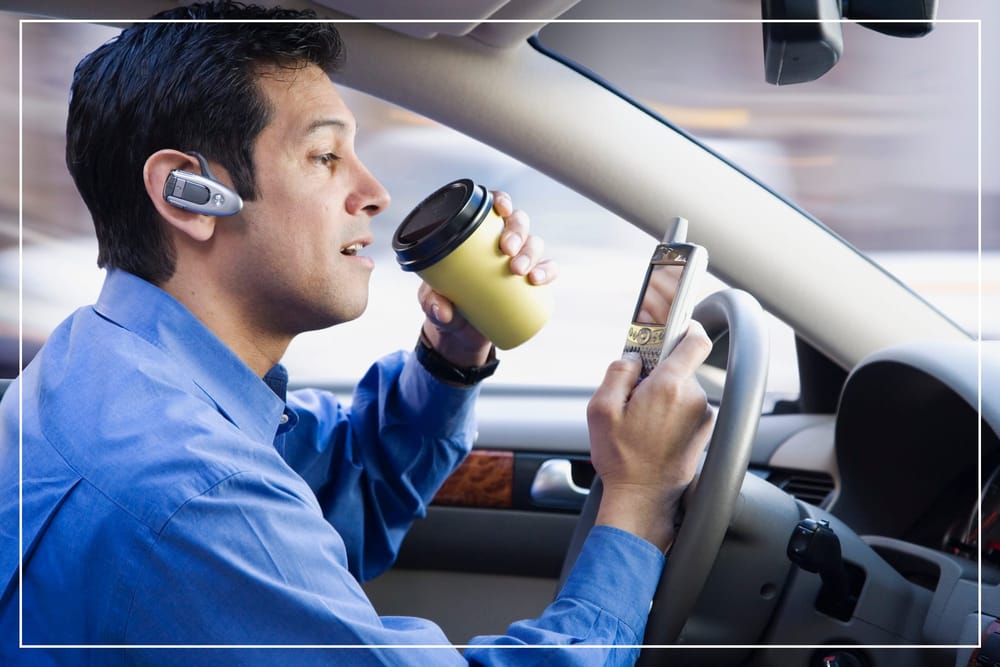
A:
484,479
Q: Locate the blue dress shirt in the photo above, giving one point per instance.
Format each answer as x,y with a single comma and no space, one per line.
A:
173,500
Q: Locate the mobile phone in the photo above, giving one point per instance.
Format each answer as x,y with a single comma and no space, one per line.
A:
667,297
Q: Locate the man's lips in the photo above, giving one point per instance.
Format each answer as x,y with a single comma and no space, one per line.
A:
354,247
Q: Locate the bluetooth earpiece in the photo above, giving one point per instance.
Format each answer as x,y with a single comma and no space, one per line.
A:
200,193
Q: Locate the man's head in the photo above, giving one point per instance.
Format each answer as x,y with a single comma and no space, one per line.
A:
185,86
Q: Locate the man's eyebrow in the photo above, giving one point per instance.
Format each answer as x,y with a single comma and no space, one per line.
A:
336,123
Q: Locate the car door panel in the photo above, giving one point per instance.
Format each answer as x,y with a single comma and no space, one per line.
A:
489,552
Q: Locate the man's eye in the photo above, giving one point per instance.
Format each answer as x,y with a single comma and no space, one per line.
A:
327,158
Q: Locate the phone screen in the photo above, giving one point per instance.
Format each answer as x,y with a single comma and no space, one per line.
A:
646,335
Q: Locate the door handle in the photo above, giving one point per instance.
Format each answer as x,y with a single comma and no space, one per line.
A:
554,487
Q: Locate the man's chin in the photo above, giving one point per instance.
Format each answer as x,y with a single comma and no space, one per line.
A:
347,313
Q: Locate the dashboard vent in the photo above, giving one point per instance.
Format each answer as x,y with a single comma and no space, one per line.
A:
809,487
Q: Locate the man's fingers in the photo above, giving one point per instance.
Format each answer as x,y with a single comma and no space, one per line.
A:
437,308
528,258
502,203
526,251
611,395
690,353
515,233
544,272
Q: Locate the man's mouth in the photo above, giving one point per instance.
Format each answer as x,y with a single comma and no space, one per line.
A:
354,248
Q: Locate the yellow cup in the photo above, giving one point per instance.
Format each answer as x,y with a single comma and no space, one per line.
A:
452,241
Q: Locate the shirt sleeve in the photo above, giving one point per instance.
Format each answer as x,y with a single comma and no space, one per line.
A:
375,466
599,616
252,569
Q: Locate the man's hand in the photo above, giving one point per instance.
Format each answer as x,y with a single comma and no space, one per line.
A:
450,334
646,440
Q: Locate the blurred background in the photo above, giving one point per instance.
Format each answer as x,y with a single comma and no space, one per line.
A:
884,149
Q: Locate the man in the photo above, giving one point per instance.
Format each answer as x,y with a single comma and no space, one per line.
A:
174,495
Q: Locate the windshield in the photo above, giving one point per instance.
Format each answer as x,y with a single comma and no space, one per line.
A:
883,149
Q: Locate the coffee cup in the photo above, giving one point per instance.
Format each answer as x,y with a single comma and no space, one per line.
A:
452,241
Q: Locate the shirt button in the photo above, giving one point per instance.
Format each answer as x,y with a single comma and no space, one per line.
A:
284,418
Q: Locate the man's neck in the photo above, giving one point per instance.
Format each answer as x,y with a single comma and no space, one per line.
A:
229,320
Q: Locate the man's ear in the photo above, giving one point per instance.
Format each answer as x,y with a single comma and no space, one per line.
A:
155,173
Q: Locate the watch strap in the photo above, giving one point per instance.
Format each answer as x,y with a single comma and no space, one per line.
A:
444,370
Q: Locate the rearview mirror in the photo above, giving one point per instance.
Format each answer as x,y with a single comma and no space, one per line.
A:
803,39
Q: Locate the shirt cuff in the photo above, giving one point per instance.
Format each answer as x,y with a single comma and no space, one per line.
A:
618,572
453,406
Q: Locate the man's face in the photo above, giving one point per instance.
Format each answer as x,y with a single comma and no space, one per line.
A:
297,264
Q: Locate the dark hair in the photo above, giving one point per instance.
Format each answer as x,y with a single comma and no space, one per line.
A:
182,85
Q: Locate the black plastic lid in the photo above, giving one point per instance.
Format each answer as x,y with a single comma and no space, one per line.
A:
440,223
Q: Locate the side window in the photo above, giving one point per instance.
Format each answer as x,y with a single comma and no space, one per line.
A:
602,261
602,258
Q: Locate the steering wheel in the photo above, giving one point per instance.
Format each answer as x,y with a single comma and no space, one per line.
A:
711,497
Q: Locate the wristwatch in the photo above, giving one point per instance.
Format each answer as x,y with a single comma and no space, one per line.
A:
448,372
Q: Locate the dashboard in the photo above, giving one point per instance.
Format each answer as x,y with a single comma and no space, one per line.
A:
910,441
902,456
913,455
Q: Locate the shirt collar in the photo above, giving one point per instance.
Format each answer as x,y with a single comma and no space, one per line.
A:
243,397
277,380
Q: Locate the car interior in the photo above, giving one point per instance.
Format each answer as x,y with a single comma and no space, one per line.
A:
854,522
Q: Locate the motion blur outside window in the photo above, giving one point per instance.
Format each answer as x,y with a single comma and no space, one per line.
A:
838,149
